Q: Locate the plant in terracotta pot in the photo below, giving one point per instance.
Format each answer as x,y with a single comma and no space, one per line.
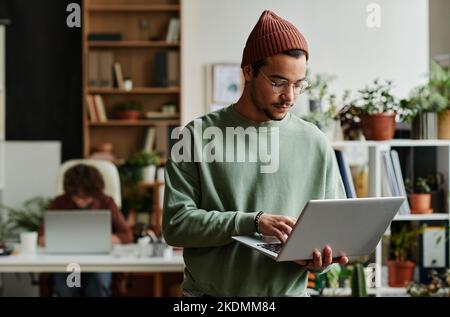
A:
419,196
403,243
377,111
127,110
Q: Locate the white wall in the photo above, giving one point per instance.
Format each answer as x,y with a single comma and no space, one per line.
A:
439,27
2,82
31,169
340,43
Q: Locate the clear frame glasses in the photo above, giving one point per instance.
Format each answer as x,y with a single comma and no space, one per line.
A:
282,86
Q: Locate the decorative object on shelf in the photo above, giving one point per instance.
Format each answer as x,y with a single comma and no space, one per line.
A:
440,83
128,84
318,90
421,109
438,286
350,122
378,110
403,244
419,196
327,122
169,108
104,152
358,282
136,198
127,111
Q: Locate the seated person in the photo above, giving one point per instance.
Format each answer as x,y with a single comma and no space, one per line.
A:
83,189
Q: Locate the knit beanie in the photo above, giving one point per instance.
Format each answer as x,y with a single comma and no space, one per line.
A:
270,36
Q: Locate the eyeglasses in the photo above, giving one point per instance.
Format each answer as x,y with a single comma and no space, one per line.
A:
282,86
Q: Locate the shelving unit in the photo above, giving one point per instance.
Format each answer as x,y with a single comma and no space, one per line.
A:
143,25
375,150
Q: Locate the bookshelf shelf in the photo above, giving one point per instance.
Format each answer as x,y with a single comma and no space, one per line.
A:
134,8
136,91
394,143
140,123
129,44
433,216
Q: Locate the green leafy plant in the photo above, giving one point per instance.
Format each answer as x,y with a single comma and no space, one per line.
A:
423,99
404,241
440,82
377,98
28,217
358,281
127,106
421,186
319,85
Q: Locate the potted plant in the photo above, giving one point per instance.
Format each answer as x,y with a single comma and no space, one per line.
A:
422,110
136,198
419,196
400,267
440,84
127,110
326,121
377,111
317,90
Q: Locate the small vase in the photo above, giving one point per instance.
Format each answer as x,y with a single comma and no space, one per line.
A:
148,173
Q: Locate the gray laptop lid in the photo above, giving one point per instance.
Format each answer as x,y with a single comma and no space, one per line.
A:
78,231
350,226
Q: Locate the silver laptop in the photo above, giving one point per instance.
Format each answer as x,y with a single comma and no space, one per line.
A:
76,231
351,227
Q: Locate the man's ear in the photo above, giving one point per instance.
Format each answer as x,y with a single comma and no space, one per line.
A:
248,72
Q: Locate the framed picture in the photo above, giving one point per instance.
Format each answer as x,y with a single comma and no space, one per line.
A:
225,85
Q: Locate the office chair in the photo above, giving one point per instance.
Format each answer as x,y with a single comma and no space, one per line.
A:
106,168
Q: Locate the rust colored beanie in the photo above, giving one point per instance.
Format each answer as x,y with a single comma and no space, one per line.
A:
270,36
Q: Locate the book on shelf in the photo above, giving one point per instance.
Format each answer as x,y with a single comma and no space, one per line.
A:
173,31
167,69
93,75
118,75
100,108
105,69
100,68
161,115
346,175
104,37
149,141
392,179
93,115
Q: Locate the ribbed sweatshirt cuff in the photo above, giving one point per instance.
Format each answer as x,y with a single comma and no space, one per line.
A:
245,222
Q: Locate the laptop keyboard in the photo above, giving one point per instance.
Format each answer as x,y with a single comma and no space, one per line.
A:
273,247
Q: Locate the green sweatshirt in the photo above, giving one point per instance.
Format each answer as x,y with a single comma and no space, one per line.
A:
207,202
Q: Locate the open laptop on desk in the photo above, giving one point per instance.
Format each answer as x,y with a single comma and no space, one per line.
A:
78,231
351,227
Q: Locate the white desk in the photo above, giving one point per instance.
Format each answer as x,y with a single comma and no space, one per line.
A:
42,262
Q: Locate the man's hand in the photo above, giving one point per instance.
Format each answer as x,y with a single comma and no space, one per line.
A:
274,225
321,261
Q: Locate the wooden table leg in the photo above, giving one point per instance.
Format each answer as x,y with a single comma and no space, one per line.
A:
157,285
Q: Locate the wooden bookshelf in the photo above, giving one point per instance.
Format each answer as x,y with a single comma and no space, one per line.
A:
143,26
136,91
134,8
127,44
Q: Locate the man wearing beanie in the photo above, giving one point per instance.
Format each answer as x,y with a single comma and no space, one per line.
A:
206,203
